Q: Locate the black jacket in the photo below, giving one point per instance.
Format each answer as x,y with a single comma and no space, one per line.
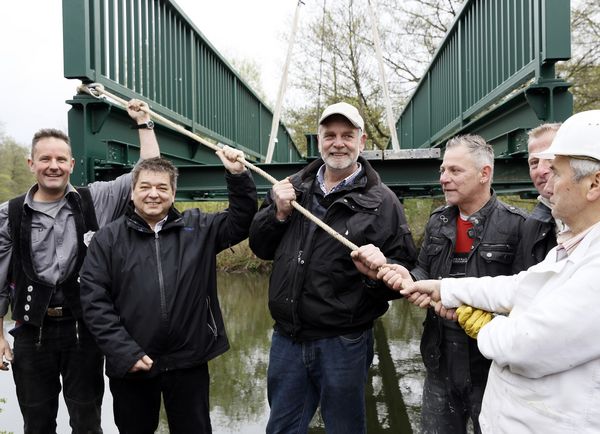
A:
497,227
538,236
315,290
155,294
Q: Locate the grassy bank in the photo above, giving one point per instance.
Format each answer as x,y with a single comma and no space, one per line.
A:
240,258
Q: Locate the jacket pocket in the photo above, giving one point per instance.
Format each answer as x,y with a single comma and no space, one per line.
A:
433,249
210,320
498,253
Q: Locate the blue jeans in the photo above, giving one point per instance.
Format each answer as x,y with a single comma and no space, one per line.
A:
330,371
64,348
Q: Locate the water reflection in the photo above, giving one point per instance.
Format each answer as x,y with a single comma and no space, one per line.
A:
238,378
238,391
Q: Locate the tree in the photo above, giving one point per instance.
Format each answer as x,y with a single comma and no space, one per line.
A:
15,176
583,70
336,60
249,70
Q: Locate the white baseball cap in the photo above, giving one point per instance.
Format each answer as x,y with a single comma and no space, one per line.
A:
347,110
578,136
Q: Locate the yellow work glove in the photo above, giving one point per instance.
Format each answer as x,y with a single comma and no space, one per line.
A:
472,320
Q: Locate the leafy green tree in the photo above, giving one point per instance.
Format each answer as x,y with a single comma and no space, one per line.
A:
583,70
15,176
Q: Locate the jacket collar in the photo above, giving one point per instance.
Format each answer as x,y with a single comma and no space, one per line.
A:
550,264
174,219
542,213
364,189
450,214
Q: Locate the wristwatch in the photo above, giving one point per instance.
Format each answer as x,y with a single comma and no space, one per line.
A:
146,125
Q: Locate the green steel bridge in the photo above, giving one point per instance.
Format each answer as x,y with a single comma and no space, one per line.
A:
493,75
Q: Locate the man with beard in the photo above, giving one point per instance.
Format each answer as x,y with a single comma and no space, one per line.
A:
323,308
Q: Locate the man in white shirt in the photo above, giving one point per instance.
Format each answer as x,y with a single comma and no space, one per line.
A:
545,375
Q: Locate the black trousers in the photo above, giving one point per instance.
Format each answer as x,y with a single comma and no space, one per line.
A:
136,401
453,394
61,349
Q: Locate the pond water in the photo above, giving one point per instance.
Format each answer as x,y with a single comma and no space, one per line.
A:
238,377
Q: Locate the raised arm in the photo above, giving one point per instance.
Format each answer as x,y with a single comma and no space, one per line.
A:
138,111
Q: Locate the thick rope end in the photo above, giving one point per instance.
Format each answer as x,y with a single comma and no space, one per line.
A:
93,89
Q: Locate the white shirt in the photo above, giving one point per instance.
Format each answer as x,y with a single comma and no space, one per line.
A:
545,375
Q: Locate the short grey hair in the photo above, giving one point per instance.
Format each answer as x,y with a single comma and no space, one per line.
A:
540,130
481,151
583,167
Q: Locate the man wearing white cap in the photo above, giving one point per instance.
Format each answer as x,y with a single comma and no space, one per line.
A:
545,375
323,307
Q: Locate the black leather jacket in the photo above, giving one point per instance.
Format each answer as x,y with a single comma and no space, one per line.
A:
496,228
315,290
538,236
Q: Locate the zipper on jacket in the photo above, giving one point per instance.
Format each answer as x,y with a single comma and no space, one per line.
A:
211,319
77,331
161,282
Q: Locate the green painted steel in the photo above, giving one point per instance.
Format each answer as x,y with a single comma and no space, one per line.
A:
417,177
149,49
498,55
493,75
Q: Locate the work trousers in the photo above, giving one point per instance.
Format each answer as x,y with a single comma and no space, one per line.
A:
330,371
453,394
136,401
61,348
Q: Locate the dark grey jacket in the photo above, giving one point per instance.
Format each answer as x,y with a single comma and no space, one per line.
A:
315,290
497,227
538,236
155,293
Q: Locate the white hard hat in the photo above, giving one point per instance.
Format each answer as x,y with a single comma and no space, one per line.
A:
578,136
348,111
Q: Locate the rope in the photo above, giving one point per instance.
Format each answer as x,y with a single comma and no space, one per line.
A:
282,87
386,94
321,60
97,90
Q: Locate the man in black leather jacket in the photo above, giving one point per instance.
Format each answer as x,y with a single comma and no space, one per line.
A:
540,228
323,307
474,234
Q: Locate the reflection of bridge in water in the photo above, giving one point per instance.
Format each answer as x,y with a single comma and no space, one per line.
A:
238,386
390,394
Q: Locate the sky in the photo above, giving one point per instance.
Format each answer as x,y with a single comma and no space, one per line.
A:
33,89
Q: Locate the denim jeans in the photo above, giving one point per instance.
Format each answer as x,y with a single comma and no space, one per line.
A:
63,348
136,401
331,372
453,394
